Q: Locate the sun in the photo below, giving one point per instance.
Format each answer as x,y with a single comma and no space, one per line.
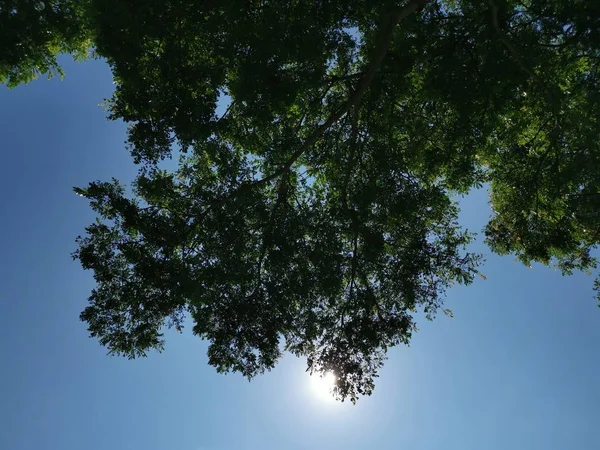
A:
322,385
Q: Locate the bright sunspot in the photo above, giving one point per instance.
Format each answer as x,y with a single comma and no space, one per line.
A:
322,385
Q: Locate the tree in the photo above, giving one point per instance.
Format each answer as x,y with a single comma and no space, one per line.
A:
35,32
314,214
545,186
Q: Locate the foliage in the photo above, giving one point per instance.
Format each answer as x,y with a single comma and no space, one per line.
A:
545,181
313,215
35,32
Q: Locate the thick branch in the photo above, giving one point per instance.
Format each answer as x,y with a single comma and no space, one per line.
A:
390,20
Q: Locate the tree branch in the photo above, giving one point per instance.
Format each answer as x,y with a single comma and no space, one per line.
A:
514,52
351,159
372,295
351,76
389,22
220,119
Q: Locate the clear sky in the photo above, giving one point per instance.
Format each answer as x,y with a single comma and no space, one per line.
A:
517,368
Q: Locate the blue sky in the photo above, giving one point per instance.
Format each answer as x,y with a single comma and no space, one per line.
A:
517,367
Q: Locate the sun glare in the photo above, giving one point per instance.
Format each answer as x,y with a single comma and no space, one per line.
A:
322,385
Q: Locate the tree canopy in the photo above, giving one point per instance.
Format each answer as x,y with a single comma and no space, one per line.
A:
319,147
34,32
